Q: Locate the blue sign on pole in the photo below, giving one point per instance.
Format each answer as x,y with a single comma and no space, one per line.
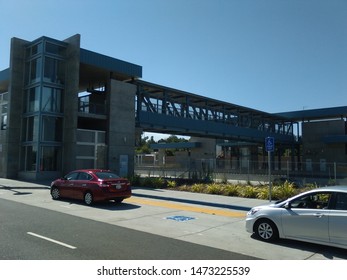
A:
270,144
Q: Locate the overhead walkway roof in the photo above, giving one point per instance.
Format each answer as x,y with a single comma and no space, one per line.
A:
315,114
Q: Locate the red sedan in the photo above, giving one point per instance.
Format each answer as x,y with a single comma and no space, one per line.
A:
91,185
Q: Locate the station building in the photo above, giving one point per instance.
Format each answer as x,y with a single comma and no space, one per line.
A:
62,108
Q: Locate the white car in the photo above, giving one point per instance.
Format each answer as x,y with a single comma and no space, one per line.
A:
317,216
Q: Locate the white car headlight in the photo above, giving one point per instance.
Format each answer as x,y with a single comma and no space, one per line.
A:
253,211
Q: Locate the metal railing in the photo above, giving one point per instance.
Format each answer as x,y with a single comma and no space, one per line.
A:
221,169
91,108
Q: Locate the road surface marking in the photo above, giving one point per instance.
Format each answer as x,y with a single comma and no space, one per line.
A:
211,211
51,240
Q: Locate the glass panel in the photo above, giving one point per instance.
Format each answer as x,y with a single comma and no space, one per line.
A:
341,201
3,121
50,69
54,71
36,49
33,100
50,159
28,52
83,104
83,176
4,96
3,110
29,158
35,70
31,128
101,137
51,100
85,136
55,49
86,150
60,72
106,175
51,129
72,176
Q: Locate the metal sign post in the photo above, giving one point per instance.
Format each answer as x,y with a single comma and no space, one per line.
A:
270,181
270,147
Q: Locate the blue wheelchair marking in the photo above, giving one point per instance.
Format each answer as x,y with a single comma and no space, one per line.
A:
180,218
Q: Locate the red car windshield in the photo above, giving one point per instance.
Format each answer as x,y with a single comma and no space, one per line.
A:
106,175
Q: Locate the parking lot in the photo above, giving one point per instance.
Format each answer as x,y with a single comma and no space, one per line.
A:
210,220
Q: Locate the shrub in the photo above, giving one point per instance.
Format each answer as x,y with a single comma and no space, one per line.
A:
283,191
153,182
231,190
214,189
198,188
185,188
249,192
158,182
171,184
263,193
135,180
146,182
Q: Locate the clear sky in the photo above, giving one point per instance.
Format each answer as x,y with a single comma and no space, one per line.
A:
269,55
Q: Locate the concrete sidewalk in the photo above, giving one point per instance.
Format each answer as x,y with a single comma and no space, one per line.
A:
17,184
208,200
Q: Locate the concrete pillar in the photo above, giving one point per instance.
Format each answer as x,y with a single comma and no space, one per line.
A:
121,130
71,103
15,103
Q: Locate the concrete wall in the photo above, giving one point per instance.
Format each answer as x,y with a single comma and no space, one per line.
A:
121,127
207,150
71,103
15,103
313,146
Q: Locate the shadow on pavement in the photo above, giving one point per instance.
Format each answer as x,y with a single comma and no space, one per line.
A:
15,192
327,251
105,205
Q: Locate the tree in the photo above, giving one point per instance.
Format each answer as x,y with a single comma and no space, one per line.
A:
144,146
145,143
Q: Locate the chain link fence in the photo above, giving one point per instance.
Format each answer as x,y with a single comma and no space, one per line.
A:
321,173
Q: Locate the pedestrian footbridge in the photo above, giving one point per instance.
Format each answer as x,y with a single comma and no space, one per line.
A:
165,110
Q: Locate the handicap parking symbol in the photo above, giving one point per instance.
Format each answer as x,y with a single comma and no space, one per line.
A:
270,144
180,218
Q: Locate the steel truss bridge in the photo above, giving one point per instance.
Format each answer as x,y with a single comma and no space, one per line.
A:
165,110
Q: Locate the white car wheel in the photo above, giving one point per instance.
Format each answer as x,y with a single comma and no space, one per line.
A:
266,230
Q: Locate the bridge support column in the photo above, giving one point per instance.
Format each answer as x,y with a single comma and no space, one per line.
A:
121,130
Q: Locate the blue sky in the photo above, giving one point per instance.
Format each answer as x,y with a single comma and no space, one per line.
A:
269,55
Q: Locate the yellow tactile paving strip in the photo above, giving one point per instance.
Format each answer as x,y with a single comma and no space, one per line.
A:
183,207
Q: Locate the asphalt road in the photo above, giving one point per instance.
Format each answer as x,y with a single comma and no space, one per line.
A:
143,227
29,232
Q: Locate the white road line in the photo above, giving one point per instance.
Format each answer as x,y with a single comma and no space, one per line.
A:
51,240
